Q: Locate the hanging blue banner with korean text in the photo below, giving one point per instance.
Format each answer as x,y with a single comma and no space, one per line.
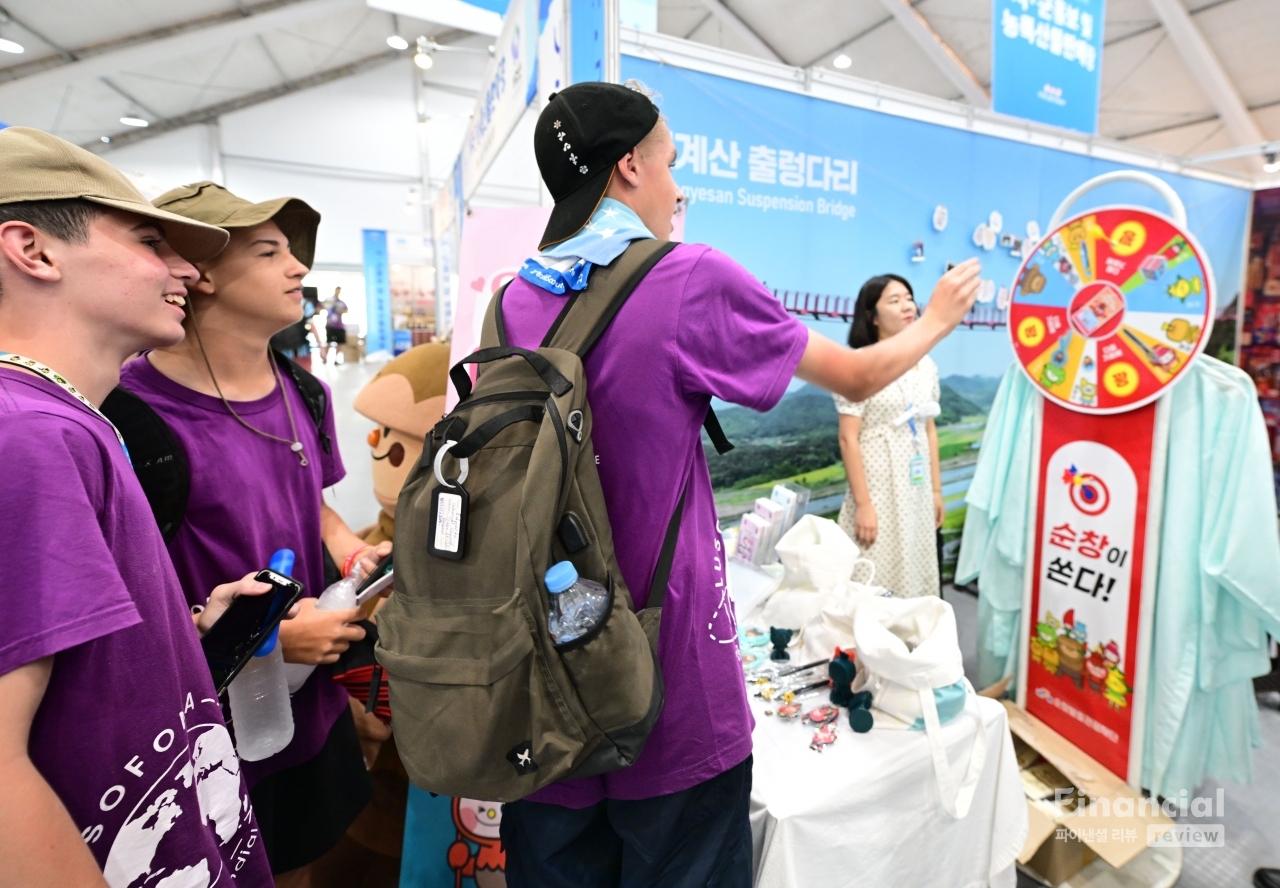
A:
377,291
1047,61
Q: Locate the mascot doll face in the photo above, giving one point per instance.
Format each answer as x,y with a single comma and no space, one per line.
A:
405,400
394,453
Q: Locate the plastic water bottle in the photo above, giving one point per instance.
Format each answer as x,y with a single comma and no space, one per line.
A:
577,605
260,709
340,596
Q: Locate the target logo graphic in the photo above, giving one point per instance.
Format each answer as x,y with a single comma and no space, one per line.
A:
1089,493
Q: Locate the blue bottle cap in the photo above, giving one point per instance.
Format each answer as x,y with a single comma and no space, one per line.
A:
282,562
268,643
561,576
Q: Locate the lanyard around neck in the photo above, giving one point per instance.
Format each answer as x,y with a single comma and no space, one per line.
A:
61,382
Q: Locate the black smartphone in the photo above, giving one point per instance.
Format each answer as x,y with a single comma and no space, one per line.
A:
377,580
231,641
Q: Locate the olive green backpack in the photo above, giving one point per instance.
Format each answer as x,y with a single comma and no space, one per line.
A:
484,703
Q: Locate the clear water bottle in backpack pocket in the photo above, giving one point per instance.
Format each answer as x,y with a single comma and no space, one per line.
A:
576,605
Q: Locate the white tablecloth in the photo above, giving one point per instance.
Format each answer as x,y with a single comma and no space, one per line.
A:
866,810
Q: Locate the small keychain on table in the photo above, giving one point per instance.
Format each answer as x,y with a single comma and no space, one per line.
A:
789,710
447,534
788,694
766,675
822,715
823,737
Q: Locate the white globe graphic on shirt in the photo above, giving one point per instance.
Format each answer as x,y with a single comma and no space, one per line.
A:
215,771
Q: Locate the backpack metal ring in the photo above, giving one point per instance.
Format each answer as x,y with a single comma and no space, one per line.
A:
463,466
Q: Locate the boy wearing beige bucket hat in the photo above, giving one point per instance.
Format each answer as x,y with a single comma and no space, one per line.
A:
116,764
261,452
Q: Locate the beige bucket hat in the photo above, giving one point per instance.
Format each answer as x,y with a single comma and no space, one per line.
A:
212,204
35,165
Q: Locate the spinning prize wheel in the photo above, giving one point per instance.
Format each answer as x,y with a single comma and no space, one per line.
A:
1113,305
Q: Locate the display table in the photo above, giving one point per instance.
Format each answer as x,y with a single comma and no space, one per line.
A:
866,810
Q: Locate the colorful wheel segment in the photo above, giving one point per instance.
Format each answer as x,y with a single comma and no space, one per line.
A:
1110,309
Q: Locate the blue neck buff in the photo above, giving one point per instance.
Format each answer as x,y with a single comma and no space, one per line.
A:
567,265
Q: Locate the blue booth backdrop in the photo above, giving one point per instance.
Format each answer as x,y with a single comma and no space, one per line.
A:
815,196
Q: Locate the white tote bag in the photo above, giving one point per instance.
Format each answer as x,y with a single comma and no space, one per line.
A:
819,558
909,658
833,626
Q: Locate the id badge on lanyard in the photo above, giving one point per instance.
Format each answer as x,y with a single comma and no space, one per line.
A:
916,466
916,469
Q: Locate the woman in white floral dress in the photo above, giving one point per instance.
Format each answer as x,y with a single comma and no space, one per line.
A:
890,450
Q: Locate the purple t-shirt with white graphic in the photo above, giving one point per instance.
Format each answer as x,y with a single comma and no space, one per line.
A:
250,496
129,733
699,325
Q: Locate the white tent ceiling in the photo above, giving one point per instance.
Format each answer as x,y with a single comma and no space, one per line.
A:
1151,95
179,62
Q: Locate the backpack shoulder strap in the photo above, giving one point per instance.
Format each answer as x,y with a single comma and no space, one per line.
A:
313,395
666,557
589,312
494,330
159,460
719,440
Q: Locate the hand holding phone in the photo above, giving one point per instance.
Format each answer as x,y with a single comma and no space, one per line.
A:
378,580
221,598
245,621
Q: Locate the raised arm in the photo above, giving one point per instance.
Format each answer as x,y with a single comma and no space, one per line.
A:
39,843
859,374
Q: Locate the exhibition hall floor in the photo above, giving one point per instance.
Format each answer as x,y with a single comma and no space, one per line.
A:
1252,835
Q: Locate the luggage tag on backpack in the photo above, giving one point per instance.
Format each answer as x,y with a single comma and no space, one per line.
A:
447,536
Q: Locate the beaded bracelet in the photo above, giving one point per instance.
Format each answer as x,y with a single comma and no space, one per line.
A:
350,562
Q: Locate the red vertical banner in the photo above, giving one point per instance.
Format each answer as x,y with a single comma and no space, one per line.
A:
1087,556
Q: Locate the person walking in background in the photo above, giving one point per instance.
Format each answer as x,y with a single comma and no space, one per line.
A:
292,341
335,329
889,444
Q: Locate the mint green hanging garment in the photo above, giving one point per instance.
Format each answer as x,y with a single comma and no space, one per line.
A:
1218,585
992,549
1218,590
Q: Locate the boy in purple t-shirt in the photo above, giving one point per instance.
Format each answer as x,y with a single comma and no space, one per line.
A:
115,763
258,467
698,326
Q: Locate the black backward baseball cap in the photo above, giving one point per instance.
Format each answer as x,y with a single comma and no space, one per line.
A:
584,130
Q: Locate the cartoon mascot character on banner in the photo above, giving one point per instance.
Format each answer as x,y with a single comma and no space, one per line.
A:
478,824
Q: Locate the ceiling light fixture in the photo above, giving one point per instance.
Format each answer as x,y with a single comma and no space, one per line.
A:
133,121
7,45
396,42
106,138
1272,164
842,61
422,58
